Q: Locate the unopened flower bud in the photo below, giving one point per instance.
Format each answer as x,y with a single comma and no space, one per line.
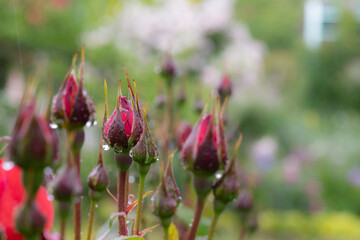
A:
66,184
145,151
167,197
72,108
168,69
29,220
97,179
225,88
244,203
33,144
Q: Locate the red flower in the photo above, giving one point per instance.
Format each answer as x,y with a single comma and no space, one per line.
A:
12,195
199,153
72,108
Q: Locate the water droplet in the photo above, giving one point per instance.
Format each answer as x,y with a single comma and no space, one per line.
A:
131,153
131,179
127,222
7,165
50,197
157,159
95,123
96,205
106,147
179,198
117,150
53,125
218,175
88,124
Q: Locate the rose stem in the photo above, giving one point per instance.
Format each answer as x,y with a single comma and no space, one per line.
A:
213,225
121,202
62,229
166,233
198,211
77,204
139,205
91,219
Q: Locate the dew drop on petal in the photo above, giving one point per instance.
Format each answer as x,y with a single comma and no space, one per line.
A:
7,165
53,125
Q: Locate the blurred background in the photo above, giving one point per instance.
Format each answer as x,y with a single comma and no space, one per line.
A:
295,70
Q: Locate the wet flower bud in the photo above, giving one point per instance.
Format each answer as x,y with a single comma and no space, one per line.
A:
167,197
66,184
225,88
97,179
244,203
168,69
29,220
145,151
123,128
72,108
199,152
183,130
33,144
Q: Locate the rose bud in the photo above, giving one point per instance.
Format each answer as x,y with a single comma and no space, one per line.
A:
225,88
145,152
123,128
183,130
244,203
33,144
226,189
168,69
29,220
97,179
66,184
72,108
167,197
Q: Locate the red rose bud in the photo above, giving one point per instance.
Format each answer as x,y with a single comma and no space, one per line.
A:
123,128
29,220
183,130
72,108
98,179
199,152
167,197
145,151
168,69
225,88
33,144
66,184
226,189
244,203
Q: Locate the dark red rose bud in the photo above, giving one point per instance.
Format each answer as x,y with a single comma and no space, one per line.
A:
145,151
29,220
123,128
66,184
225,88
183,130
199,152
168,69
72,108
33,144
167,197
244,203
98,179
